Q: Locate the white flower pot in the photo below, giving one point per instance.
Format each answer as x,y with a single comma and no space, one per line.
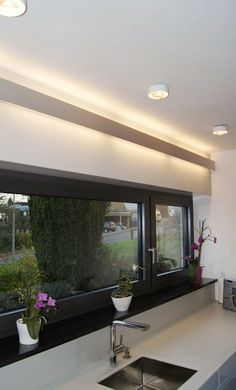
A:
122,304
23,333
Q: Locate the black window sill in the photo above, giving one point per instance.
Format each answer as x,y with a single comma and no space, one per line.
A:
61,332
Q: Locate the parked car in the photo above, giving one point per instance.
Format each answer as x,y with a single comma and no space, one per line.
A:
109,227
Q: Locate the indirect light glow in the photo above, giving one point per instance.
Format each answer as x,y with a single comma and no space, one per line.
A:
220,130
81,95
12,8
158,91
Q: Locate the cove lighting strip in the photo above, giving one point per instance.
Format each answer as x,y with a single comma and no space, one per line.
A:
33,100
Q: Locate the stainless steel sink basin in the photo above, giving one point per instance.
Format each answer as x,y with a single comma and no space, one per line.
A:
146,374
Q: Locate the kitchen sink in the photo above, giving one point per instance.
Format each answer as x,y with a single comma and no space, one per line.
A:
148,374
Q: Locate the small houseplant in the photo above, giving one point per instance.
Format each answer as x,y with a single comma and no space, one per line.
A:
32,320
194,262
122,295
35,303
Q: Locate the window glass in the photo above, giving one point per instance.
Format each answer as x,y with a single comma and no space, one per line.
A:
77,245
169,238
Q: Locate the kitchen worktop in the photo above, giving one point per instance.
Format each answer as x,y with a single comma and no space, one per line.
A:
202,341
61,332
192,331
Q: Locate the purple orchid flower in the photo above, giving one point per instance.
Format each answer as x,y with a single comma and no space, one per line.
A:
194,246
201,239
51,302
205,234
39,305
42,296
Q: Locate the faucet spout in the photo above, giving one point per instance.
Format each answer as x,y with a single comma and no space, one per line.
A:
115,348
133,325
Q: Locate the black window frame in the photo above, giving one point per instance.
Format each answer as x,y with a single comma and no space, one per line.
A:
56,185
177,276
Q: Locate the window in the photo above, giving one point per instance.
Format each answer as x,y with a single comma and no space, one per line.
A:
78,245
80,235
169,238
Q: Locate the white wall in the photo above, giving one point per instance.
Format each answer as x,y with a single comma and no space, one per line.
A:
34,139
220,211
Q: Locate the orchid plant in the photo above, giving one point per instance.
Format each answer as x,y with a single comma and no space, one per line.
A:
36,303
204,234
33,316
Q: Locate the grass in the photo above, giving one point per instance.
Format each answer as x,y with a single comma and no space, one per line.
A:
126,250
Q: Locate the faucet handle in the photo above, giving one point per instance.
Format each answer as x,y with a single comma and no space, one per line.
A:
110,353
127,353
121,339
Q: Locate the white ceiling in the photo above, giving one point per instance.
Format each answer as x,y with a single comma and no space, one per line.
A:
108,52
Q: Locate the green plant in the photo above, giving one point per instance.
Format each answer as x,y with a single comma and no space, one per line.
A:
24,240
9,276
13,278
27,288
29,278
124,286
33,316
66,234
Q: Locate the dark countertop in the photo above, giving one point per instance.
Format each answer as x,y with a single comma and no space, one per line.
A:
61,332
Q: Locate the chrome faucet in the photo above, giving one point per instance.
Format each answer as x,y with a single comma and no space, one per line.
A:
116,349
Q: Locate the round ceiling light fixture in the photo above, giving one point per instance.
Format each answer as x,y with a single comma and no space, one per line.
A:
158,91
12,8
220,130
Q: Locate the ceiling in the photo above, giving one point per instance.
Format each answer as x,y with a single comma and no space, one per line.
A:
106,54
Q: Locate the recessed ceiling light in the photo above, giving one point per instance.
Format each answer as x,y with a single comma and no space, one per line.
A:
220,130
12,8
158,91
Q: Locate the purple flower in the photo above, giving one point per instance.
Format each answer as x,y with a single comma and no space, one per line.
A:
194,246
215,239
51,301
42,296
201,239
39,305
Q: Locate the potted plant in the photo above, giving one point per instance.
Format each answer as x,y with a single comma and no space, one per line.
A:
194,262
32,320
35,303
122,295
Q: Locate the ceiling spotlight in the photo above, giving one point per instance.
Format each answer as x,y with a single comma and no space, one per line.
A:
158,91
220,130
12,8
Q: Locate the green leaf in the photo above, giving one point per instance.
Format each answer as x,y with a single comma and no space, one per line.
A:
33,326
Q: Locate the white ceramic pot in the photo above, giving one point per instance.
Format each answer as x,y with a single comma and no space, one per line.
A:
24,336
122,304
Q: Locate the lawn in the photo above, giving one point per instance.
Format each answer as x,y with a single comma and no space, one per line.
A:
125,250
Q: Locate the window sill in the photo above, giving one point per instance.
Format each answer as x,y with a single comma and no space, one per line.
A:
61,332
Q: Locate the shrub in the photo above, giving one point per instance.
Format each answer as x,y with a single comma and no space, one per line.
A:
24,240
16,278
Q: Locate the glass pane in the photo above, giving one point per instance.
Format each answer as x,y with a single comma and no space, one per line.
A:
169,237
77,245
